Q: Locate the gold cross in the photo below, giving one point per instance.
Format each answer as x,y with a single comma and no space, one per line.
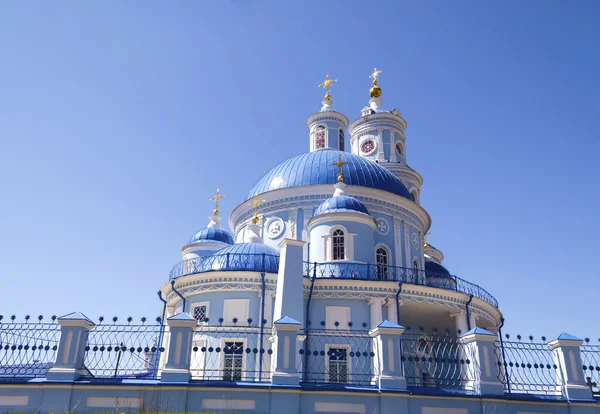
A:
327,85
216,199
375,75
340,164
255,204
425,244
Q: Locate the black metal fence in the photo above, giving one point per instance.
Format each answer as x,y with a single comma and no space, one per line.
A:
131,350
231,353
337,356
259,262
590,358
27,349
437,361
528,367
366,271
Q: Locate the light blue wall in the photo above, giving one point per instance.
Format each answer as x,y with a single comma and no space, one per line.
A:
359,311
387,239
217,299
363,241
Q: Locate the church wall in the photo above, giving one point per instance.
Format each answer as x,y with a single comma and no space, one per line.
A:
387,239
216,305
359,312
275,228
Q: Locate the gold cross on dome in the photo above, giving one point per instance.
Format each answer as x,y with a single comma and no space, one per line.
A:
216,199
375,75
340,164
327,85
255,204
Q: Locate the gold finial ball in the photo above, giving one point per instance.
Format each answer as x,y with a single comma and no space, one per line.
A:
375,91
216,212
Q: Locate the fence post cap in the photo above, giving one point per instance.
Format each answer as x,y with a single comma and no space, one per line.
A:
287,324
478,334
565,339
75,319
387,328
182,320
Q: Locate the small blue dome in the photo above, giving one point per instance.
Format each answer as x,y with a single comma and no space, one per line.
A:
341,204
210,234
251,257
318,167
436,269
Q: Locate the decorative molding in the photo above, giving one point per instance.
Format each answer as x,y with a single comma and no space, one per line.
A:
274,227
382,226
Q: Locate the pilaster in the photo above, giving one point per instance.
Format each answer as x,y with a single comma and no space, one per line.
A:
286,338
387,372
566,353
179,353
482,371
289,300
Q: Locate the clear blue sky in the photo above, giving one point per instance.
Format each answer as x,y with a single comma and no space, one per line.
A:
119,119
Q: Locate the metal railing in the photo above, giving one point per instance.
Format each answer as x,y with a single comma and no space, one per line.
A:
120,351
528,367
590,358
231,353
366,271
259,262
436,361
337,356
27,349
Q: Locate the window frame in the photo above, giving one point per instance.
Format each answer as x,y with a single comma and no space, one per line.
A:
388,263
340,249
341,140
315,131
348,360
194,305
243,374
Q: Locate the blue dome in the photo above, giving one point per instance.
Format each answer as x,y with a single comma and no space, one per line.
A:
211,235
316,168
341,204
251,257
436,268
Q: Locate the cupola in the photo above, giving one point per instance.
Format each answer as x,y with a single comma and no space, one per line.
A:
327,127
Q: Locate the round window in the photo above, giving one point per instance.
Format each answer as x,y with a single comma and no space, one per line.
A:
368,146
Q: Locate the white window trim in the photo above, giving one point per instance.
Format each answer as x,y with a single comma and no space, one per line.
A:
313,137
415,193
240,322
222,357
348,362
387,249
348,244
193,306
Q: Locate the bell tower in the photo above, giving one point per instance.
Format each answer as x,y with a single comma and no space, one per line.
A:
378,135
327,127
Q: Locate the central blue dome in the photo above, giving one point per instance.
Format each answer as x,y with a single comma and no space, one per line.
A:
316,168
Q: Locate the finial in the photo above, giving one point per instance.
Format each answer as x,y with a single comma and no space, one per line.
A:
340,164
375,90
425,244
327,85
216,199
255,204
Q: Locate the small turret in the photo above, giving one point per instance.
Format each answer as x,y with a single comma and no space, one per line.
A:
327,126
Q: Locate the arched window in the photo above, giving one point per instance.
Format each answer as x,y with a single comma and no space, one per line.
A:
399,149
341,139
415,267
338,245
320,137
415,195
381,257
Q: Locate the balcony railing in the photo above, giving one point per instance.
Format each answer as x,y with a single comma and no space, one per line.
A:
248,262
365,271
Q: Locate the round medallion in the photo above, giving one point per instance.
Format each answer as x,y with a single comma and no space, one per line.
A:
415,240
367,146
382,226
275,227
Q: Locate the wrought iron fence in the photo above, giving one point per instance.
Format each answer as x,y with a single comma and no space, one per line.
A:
231,353
337,356
528,367
131,350
229,261
27,349
437,361
590,358
366,271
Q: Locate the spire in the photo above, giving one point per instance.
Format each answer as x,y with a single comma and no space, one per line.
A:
215,219
253,229
327,101
375,92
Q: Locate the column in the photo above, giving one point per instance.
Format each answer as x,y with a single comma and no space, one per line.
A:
289,300
74,331
376,311
380,147
392,311
179,353
482,372
387,372
285,345
393,147
567,356
461,322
